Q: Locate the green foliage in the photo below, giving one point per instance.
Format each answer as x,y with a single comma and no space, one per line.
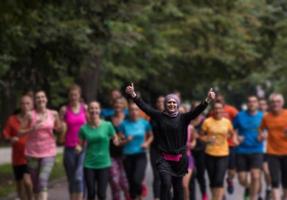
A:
189,45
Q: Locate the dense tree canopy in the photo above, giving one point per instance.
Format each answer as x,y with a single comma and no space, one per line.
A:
187,45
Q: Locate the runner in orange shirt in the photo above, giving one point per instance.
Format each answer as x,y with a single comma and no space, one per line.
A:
275,123
263,107
215,131
230,113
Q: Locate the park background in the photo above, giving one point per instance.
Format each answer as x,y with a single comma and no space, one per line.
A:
188,45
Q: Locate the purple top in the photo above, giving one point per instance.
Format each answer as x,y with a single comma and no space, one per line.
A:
74,122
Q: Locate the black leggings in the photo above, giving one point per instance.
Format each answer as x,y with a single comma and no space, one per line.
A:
96,178
168,181
216,168
135,166
199,175
154,155
278,167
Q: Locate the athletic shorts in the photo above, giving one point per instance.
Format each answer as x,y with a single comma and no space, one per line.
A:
246,162
232,159
19,171
278,170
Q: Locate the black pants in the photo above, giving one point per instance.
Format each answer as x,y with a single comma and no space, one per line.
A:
192,187
20,171
232,159
168,181
278,167
135,166
96,181
199,174
154,155
216,168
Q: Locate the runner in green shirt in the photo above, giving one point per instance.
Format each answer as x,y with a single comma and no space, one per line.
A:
96,134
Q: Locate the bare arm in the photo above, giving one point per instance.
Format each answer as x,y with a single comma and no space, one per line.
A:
26,126
203,136
81,142
124,140
80,146
192,139
116,140
263,129
234,137
62,113
148,140
262,135
64,124
58,125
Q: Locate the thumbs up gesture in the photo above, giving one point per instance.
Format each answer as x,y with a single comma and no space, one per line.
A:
210,96
130,90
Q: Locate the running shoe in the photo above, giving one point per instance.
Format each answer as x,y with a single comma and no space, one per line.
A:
268,195
246,194
204,196
230,186
144,192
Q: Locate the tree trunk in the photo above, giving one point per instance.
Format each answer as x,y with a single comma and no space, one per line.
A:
90,79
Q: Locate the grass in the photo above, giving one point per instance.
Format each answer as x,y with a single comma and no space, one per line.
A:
7,184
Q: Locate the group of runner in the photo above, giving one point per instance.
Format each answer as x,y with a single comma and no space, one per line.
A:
110,146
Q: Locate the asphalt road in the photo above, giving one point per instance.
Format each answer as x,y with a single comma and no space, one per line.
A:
58,190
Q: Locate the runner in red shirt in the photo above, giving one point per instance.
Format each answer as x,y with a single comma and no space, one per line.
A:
19,162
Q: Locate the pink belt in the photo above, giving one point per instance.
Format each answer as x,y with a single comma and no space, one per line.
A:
171,157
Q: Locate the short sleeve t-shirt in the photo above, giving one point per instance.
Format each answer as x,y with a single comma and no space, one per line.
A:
230,113
276,139
98,143
137,130
18,149
220,130
248,127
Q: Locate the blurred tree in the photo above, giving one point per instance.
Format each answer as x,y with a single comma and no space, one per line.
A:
188,45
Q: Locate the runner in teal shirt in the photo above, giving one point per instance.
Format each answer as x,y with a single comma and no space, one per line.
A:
138,136
137,131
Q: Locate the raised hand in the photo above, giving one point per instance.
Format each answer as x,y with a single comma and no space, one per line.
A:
130,90
210,96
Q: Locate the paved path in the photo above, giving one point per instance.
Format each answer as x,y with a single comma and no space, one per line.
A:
58,189
5,154
59,192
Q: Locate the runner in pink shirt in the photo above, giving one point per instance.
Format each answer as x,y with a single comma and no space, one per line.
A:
73,116
41,144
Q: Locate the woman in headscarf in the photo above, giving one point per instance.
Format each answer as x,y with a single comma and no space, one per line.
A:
173,162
